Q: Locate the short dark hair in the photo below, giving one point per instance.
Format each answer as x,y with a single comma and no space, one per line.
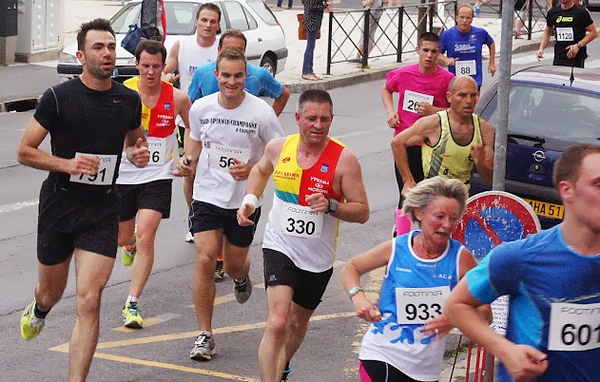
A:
568,166
314,95
230,54
232,33
152,47
211,7
428,36
96,24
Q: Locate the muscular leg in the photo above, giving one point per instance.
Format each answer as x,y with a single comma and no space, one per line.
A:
52,281
126,232
299,324
188,191
272,351
235,260
208,245
148,221
92,273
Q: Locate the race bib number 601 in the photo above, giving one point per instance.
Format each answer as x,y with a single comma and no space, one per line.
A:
574,327
417,305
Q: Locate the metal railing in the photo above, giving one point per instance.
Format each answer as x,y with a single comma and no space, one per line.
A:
396,29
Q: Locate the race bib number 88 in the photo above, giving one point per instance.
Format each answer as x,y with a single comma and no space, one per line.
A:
574,327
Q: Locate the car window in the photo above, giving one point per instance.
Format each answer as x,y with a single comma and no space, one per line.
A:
237,16
180,17
263,11
550,113
128,15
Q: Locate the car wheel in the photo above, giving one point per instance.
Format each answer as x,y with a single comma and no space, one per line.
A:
268,64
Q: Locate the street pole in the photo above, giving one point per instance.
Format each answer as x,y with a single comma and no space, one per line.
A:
503,95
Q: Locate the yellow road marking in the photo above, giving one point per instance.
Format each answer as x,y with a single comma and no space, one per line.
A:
170,366
231,297
149,322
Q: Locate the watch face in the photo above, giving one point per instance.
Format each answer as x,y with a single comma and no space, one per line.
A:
333,205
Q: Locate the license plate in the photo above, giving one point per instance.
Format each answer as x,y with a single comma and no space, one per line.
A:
115,73
549,210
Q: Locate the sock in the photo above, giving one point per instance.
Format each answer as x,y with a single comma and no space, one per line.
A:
130,247
38,313
240,282
132,300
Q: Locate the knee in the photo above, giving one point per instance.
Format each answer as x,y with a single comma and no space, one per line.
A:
145,239
88,303
278,325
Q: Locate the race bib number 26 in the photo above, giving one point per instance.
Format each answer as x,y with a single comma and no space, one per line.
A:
411,99
574,327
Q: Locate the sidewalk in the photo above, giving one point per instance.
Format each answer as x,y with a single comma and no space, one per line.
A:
26,82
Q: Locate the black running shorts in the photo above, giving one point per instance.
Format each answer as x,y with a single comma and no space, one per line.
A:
207,217
66,223
308,287
154,195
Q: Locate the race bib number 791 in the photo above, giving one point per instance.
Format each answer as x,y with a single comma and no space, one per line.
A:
105,174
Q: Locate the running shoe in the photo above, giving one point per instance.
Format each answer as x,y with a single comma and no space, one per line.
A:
219,271
286,371
204,347
476,11
242,289
131,316
128,254
189,238
31,325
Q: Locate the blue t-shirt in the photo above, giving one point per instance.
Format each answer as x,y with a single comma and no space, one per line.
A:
466,46
259,82
535,273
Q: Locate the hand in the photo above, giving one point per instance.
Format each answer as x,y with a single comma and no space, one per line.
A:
317,202
184,167
478,153
365,309
84,164
140,155
540,54
393,120
170,77
439,326
492,69
239,170
525,363
407,186
242,215
572,50
451,61
424,108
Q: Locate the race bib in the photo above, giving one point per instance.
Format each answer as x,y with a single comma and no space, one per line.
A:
106,171
412,98
157,148
417,305
298,221
221,157
574,327
467,68
564,34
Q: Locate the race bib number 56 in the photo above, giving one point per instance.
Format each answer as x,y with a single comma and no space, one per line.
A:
105,174
574,327
417,305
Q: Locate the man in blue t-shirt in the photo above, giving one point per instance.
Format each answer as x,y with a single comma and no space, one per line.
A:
551,280
259,81
462,46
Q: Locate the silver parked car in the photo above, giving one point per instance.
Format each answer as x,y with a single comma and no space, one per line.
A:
266,40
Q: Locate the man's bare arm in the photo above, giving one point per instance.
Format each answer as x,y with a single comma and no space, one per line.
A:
279,103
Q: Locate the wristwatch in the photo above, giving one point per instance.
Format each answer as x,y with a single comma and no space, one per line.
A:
579,45
353,291
332,205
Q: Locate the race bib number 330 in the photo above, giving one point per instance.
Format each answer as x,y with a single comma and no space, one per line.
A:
574,327
298,221
417,305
